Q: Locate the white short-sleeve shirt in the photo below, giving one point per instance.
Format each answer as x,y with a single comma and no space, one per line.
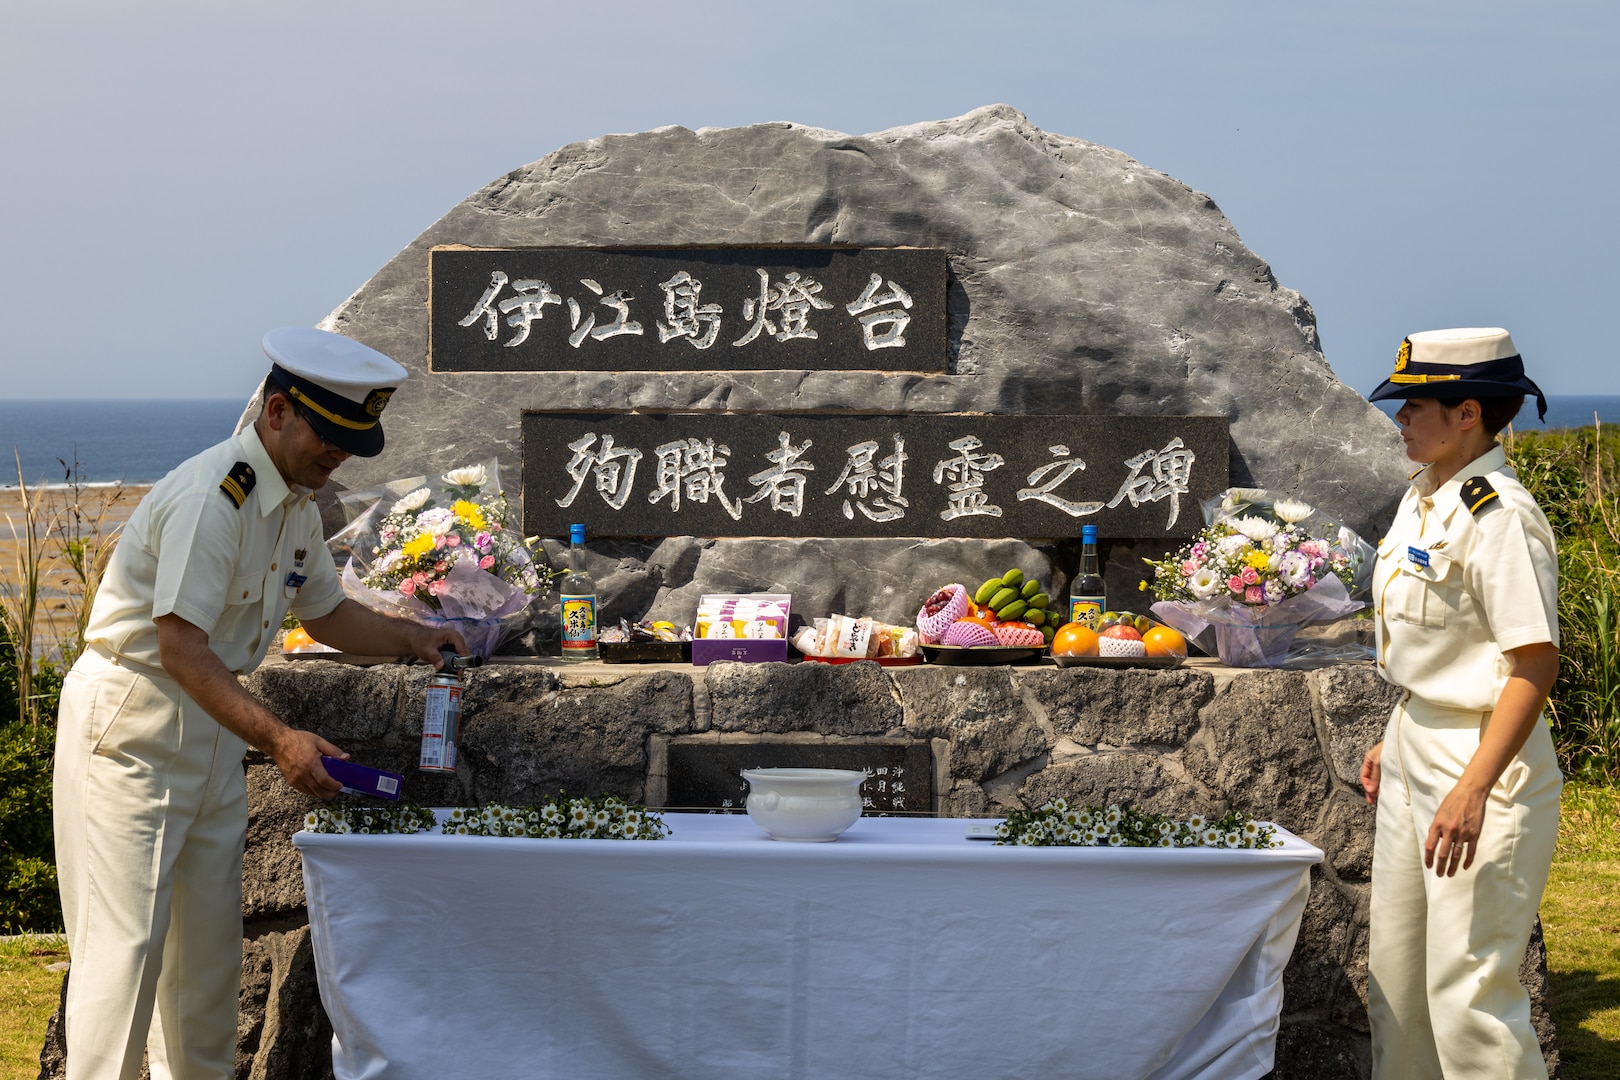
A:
232,571
1455,588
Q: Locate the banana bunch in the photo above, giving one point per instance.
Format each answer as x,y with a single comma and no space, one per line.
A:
1010,598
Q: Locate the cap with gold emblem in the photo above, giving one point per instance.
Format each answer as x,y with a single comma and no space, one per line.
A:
1455,364
339,385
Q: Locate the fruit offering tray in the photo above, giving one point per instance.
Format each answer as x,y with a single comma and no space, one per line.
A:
962,655
1119,661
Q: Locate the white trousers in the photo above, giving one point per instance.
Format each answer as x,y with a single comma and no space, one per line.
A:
150,811
1444,993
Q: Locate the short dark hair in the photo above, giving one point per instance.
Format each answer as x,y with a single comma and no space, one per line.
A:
1495,413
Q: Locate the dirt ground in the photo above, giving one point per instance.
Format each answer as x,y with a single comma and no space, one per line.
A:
91,514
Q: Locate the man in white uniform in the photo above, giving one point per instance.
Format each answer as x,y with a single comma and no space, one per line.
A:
1466,780
150,803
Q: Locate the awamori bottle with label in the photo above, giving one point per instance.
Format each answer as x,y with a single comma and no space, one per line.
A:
578,602
1086,599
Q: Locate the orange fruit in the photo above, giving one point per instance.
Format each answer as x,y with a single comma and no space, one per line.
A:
297,638
1120,630
988,624
1074,639
1163,641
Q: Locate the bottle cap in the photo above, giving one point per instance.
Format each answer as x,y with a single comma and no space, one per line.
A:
576,534
1088,534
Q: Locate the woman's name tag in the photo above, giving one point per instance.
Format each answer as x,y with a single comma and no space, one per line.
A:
1418,556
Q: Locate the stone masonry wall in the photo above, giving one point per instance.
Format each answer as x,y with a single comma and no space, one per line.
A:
1285,746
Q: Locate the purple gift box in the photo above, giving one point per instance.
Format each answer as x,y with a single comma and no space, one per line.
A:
363,779
706,651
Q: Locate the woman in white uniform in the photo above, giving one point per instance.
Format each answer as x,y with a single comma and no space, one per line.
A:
1465,781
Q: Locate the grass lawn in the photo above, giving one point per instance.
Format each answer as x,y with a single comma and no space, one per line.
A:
1580,913
28,995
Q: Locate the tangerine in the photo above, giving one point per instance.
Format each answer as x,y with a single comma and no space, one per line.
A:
979,620
1163,641
1074,639
297,640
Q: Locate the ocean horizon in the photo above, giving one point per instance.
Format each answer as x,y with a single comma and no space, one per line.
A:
131,441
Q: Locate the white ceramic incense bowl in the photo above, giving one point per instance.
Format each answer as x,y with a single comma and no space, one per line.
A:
812,805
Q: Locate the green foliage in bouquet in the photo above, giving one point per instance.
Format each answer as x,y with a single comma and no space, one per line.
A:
370,819
605,818
1057,824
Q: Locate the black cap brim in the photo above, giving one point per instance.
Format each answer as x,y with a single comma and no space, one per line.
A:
367,442
1456,389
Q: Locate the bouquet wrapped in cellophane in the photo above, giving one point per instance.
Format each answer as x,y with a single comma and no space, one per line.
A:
443,554
1262,567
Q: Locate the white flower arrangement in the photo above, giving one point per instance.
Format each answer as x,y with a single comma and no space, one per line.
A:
369,819
1057,824
606,818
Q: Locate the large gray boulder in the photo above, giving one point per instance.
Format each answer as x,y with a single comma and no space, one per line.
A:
1080,282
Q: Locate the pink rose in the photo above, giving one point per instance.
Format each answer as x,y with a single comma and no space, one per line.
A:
408,586
1189,568
452,540
1254,594
441,567
1250,576
438,588
1235,583
486,562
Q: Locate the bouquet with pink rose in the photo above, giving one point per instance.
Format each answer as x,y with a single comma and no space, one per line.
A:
445,556
1261,568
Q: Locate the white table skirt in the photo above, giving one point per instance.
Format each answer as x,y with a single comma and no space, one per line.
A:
902,950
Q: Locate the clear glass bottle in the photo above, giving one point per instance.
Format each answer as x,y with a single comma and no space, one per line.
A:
578,602
1087,601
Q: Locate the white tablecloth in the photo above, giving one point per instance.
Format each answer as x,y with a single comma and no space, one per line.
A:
902,950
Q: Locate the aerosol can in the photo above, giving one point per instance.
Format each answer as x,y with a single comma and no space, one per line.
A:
441,720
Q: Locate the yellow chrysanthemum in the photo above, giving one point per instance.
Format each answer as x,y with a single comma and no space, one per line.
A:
1257,559
420,546
468,514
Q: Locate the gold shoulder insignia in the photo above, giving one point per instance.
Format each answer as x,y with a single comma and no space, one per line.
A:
238,483
1476,493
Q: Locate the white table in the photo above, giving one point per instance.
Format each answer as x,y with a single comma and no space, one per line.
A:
902,950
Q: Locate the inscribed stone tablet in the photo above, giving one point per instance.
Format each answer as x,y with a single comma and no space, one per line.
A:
869,475
687,309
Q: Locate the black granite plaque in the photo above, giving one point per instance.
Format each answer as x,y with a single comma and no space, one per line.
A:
708,775
686,309
824,474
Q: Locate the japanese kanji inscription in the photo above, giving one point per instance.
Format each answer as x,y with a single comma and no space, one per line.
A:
825,474
687,309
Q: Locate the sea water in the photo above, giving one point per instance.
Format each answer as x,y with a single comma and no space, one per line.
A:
110,440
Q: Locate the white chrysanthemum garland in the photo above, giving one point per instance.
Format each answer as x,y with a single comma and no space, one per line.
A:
370,818
1057,824
605,818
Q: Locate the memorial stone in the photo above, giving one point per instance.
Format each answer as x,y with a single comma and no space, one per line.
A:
1075,282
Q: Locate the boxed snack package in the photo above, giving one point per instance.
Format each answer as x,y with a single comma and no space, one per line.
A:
747,627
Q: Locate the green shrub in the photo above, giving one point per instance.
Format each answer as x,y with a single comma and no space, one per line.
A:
28,897
1571,474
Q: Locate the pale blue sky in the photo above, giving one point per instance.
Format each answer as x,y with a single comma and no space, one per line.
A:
180,175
